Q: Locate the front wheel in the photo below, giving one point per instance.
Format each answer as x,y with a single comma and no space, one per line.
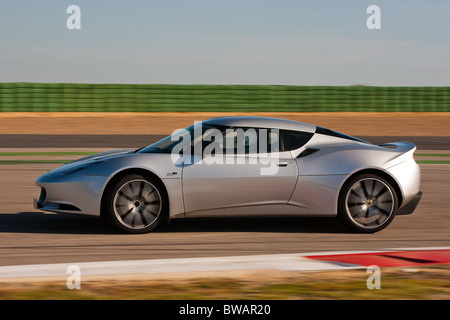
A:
135,204
367,203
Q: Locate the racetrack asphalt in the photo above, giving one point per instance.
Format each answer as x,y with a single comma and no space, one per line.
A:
136,141
28,236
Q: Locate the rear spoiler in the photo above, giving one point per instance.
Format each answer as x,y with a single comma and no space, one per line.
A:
401,147
403,151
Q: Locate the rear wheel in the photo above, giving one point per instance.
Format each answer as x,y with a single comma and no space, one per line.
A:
135,204
367,203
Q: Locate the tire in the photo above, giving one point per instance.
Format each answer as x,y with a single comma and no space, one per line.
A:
135,204
367,203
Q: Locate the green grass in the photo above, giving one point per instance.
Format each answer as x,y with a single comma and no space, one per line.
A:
433,161
33,161
86,153
432,154
40,161
13,154
75,97
422,283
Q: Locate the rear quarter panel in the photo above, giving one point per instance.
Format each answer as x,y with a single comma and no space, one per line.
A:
323,173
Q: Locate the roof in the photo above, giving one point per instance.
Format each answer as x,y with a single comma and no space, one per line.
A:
262,122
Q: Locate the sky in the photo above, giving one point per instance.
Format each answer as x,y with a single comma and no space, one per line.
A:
277,42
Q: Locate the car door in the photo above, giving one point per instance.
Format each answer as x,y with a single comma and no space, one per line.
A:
238,174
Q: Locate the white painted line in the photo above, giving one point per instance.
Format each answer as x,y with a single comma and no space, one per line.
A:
288,262
291,262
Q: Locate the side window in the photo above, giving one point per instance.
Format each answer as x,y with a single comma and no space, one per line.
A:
250,140
294,139
240,140
273,140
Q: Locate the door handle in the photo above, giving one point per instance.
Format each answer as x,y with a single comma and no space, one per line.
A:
282,164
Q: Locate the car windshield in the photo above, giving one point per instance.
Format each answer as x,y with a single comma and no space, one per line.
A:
194,133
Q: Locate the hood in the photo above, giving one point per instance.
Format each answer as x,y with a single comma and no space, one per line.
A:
103,155
86,162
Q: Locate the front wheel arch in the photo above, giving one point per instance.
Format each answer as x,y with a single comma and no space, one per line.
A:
165,218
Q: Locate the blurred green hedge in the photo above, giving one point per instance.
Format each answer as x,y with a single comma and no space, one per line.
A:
60,97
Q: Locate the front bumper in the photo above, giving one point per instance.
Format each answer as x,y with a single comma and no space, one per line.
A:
79,194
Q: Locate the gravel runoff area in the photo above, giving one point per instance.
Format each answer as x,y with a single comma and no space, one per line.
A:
357,124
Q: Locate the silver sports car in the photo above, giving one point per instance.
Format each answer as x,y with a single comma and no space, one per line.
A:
240,166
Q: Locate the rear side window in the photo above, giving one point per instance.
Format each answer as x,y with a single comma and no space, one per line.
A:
292,140
332,133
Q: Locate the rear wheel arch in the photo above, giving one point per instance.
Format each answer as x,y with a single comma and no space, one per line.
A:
381,174
363,209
